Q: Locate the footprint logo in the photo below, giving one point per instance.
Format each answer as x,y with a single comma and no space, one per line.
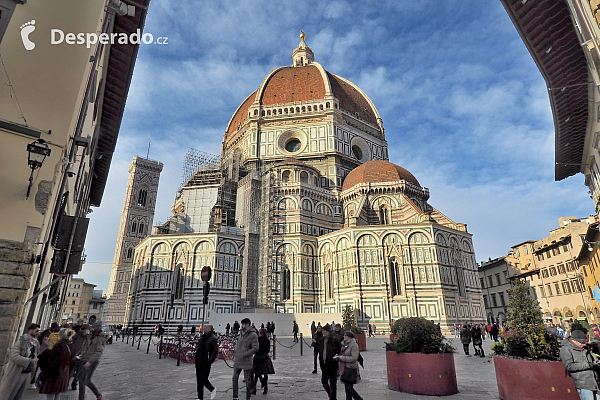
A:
26,29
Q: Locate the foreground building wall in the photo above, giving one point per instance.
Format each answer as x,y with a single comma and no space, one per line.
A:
72,97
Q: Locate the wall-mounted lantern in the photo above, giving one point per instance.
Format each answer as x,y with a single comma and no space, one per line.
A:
37,153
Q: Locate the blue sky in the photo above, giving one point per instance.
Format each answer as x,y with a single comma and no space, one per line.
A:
463,105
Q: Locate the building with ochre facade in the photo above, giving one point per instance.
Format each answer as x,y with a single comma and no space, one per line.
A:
304,213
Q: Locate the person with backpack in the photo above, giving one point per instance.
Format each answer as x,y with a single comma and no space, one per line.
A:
348,357
55,365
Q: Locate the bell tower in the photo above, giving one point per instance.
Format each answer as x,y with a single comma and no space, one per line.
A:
136,224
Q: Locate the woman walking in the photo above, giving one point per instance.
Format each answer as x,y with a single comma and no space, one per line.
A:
349,359
55,371
262,364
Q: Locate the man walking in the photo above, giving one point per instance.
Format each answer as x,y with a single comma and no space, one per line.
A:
316,345
579,364
236,327
295,332
89,358
77,346
22,357
330,347
247,346
206,353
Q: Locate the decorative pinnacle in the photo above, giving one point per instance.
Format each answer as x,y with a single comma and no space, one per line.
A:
302,36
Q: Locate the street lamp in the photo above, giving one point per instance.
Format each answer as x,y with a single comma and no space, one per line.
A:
37,153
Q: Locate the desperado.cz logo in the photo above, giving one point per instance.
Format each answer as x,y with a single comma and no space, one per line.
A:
57,36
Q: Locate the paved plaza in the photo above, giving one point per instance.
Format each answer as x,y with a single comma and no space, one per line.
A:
126,373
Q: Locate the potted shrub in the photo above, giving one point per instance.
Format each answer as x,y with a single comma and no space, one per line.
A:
527,361
420,361
349,324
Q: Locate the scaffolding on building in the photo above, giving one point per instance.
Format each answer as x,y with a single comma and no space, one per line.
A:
196,162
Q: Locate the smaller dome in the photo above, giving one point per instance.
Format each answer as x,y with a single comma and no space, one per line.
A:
378,171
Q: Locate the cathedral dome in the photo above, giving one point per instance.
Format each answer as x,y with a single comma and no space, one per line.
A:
305,81
378,171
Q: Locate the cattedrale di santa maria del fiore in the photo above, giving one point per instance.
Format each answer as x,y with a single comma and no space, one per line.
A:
303,213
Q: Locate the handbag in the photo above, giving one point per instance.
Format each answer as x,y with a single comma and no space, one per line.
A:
348,376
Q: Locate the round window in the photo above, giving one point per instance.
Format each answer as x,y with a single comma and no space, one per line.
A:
357,152
293,145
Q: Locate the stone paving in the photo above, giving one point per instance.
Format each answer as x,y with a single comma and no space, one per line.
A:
126,373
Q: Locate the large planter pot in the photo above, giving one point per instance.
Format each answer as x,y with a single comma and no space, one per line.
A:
361,338
427,374
532,380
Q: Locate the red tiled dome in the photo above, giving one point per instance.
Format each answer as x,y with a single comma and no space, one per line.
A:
378,171
305,83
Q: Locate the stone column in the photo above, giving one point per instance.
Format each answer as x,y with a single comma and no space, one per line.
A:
15,276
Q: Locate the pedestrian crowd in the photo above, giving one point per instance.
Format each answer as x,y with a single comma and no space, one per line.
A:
476,334
337,353
50,359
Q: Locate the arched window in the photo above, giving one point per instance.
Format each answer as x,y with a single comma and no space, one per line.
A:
307,205
304,177
141,229
285,176
384,216
395,278
285,285
179,280
142,197
134,227
329,284
130,253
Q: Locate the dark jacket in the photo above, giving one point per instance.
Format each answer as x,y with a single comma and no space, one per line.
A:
77,343
317,339
579,365
262,364
55,375
207,349
465,335
476,335
328,348
338,335
236,326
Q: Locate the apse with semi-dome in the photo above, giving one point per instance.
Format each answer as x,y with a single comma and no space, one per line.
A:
304,213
